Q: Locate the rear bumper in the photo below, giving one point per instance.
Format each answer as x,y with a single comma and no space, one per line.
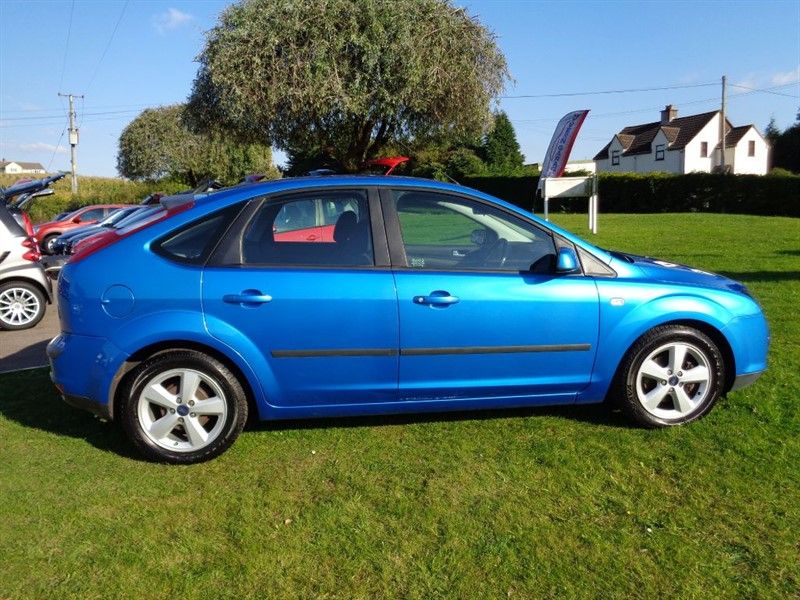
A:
99,410
82,368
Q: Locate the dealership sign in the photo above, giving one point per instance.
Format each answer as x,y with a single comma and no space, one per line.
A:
561,145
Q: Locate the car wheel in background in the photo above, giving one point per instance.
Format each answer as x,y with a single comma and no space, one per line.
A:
672,375
47,242
182,407
22,305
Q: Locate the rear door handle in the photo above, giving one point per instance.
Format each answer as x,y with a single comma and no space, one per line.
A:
247,298
437,298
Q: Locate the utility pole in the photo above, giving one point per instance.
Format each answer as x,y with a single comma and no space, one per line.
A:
723,121
73,140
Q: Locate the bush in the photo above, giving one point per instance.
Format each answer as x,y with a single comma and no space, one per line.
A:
658,192
91,190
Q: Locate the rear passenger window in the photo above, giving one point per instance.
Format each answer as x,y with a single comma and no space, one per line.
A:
194,242
328,228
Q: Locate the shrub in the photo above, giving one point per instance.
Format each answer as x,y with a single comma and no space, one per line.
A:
91,190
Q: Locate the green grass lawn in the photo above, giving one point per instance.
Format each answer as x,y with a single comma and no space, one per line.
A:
532,503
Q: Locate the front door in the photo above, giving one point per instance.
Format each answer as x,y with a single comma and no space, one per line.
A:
309,298
482,312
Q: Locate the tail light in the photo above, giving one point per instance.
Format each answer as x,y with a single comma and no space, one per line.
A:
28,224
97,242
32,254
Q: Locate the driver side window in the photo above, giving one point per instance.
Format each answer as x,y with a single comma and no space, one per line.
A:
444,232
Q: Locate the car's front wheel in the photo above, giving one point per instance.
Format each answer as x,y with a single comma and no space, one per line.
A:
672,375
22,305
182,407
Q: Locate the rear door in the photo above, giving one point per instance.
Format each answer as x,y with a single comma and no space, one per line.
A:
483,316
315,313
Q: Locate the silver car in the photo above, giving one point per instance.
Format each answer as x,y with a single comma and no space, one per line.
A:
25,289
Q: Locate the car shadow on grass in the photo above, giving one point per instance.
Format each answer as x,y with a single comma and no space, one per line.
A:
30,399
594,414
33,402
764,276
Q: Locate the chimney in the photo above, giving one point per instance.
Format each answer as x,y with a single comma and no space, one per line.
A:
669,113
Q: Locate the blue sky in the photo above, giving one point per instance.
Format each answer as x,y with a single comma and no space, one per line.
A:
552,47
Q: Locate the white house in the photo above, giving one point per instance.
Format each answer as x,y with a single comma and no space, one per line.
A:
12,167
577,166
685,145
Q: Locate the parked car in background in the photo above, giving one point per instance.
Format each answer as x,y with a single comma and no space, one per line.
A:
427,297
63,243
47,233
24,288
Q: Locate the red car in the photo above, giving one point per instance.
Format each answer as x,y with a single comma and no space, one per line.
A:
47,233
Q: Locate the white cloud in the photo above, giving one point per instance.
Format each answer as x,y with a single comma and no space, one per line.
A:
43,147
784,78
34,147
171,19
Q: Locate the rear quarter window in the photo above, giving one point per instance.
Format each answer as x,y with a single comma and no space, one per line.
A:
194,242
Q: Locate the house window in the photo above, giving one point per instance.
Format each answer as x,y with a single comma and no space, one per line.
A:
751,148
615,157
660,152
703,149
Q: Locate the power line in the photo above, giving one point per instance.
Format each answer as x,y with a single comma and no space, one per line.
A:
599,92
651,109
58,145
108,45
41,118
57,110
66,45
769,90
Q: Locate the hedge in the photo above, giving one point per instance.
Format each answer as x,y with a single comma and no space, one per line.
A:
631,193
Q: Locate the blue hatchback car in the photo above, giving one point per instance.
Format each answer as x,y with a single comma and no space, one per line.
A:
355,295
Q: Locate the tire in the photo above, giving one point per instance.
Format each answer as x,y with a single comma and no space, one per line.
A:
672,375
180,437
22,305
46,242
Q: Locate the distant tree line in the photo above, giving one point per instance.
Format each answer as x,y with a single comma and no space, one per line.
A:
785,153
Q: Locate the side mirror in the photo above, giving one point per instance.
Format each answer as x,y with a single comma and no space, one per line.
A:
567,262
76,219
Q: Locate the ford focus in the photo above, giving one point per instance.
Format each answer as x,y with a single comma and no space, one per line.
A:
357,295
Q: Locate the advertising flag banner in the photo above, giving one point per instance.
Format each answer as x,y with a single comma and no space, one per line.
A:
561,145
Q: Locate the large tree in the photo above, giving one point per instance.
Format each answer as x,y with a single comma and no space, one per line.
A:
786,149
346,79
158,144
501,149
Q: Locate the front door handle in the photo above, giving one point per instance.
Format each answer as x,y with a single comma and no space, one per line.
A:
247,298
437,298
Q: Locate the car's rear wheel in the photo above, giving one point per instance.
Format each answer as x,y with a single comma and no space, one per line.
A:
672,375
22,305
46,245
182,407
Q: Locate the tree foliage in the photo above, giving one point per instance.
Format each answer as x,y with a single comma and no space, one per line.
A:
501,149
157,144
786,150
346,79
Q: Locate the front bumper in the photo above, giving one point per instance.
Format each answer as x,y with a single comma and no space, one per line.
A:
744,380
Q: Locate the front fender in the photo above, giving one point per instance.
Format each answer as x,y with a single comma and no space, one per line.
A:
626,315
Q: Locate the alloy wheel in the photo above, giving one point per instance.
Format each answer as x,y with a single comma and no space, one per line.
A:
18,306
673,380
182,410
